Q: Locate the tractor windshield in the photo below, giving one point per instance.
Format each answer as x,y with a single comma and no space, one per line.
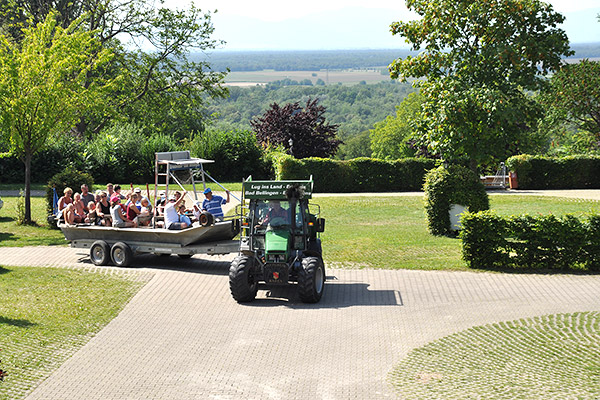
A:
272,214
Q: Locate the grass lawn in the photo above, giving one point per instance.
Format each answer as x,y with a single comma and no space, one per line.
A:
391,232
13,235
46,314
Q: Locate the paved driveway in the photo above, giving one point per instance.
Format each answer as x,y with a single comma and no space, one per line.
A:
183,337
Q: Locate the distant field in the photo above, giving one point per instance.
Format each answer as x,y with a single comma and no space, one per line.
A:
346,77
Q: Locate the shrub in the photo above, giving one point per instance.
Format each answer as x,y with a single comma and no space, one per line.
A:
357,175
63,151
541,172
112,156
70,177
236,153
453,185
525,241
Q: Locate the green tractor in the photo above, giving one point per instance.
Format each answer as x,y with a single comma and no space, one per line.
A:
279,241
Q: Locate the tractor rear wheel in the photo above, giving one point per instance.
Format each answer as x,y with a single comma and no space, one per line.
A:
311,280
241,280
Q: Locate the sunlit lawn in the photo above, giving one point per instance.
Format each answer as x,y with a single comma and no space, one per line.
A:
391,232
48,313
13,235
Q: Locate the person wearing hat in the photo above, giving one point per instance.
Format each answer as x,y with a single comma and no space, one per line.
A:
171,215
119,219
212,203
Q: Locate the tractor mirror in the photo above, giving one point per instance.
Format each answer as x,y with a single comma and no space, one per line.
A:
320,225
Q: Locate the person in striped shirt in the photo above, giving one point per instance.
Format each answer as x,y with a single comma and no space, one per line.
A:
212,203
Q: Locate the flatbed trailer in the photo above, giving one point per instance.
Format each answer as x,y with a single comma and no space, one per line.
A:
119,245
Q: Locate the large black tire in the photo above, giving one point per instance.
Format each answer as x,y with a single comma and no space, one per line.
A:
184,256
100,253
315,248
121,254
311,280
241,280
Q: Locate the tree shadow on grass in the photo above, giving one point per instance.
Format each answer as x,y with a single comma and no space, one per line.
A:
6,219
7,236
4,270
20,323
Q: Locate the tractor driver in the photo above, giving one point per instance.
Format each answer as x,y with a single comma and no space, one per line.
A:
275,211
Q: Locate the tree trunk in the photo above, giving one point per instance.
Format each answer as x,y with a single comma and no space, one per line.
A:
473,166
27,187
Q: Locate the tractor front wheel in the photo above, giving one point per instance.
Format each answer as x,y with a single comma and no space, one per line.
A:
311,280
241,280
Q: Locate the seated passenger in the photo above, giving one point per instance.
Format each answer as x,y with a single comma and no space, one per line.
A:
79,208
68,214
103,209
64,201
132,210
183,217
86,196
171,216
92,216
145,215
119,219
212,204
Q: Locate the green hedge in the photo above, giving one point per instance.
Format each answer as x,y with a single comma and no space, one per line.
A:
540,172
357,175
452,185
534,242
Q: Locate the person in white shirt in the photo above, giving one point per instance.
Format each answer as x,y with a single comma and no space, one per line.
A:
171,215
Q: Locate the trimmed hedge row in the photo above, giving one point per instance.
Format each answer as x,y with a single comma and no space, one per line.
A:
534,242
357,175
452,185
540,172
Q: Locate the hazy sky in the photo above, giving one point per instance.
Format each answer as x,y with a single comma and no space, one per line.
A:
344,24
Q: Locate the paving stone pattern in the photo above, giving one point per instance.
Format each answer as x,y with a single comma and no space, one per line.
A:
183,336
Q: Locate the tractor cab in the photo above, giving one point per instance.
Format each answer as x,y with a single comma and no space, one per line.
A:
279,241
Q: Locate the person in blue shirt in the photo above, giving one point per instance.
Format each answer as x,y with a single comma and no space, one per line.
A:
212,203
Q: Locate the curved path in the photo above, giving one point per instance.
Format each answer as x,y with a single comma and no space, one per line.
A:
183,337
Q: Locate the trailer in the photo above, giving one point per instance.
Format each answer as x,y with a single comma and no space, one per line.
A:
118,246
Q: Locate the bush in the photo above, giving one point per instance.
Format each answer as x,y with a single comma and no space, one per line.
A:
357,175
453,185
63,151
541,172
113,155
540,242
70,177
236,153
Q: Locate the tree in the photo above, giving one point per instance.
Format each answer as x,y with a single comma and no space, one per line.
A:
390,138
301,131
159,88
574,96
45,86
478,58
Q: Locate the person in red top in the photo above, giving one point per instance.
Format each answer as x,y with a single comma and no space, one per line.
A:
132,210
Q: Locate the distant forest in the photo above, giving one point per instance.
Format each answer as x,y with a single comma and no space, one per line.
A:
355,108
315,60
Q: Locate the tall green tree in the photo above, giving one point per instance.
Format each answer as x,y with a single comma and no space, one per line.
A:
574,96
478,57
390,137
45,86
158,86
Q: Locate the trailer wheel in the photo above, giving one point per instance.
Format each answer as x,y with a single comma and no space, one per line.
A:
311,280
241,280
206,219
100,253
121,254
